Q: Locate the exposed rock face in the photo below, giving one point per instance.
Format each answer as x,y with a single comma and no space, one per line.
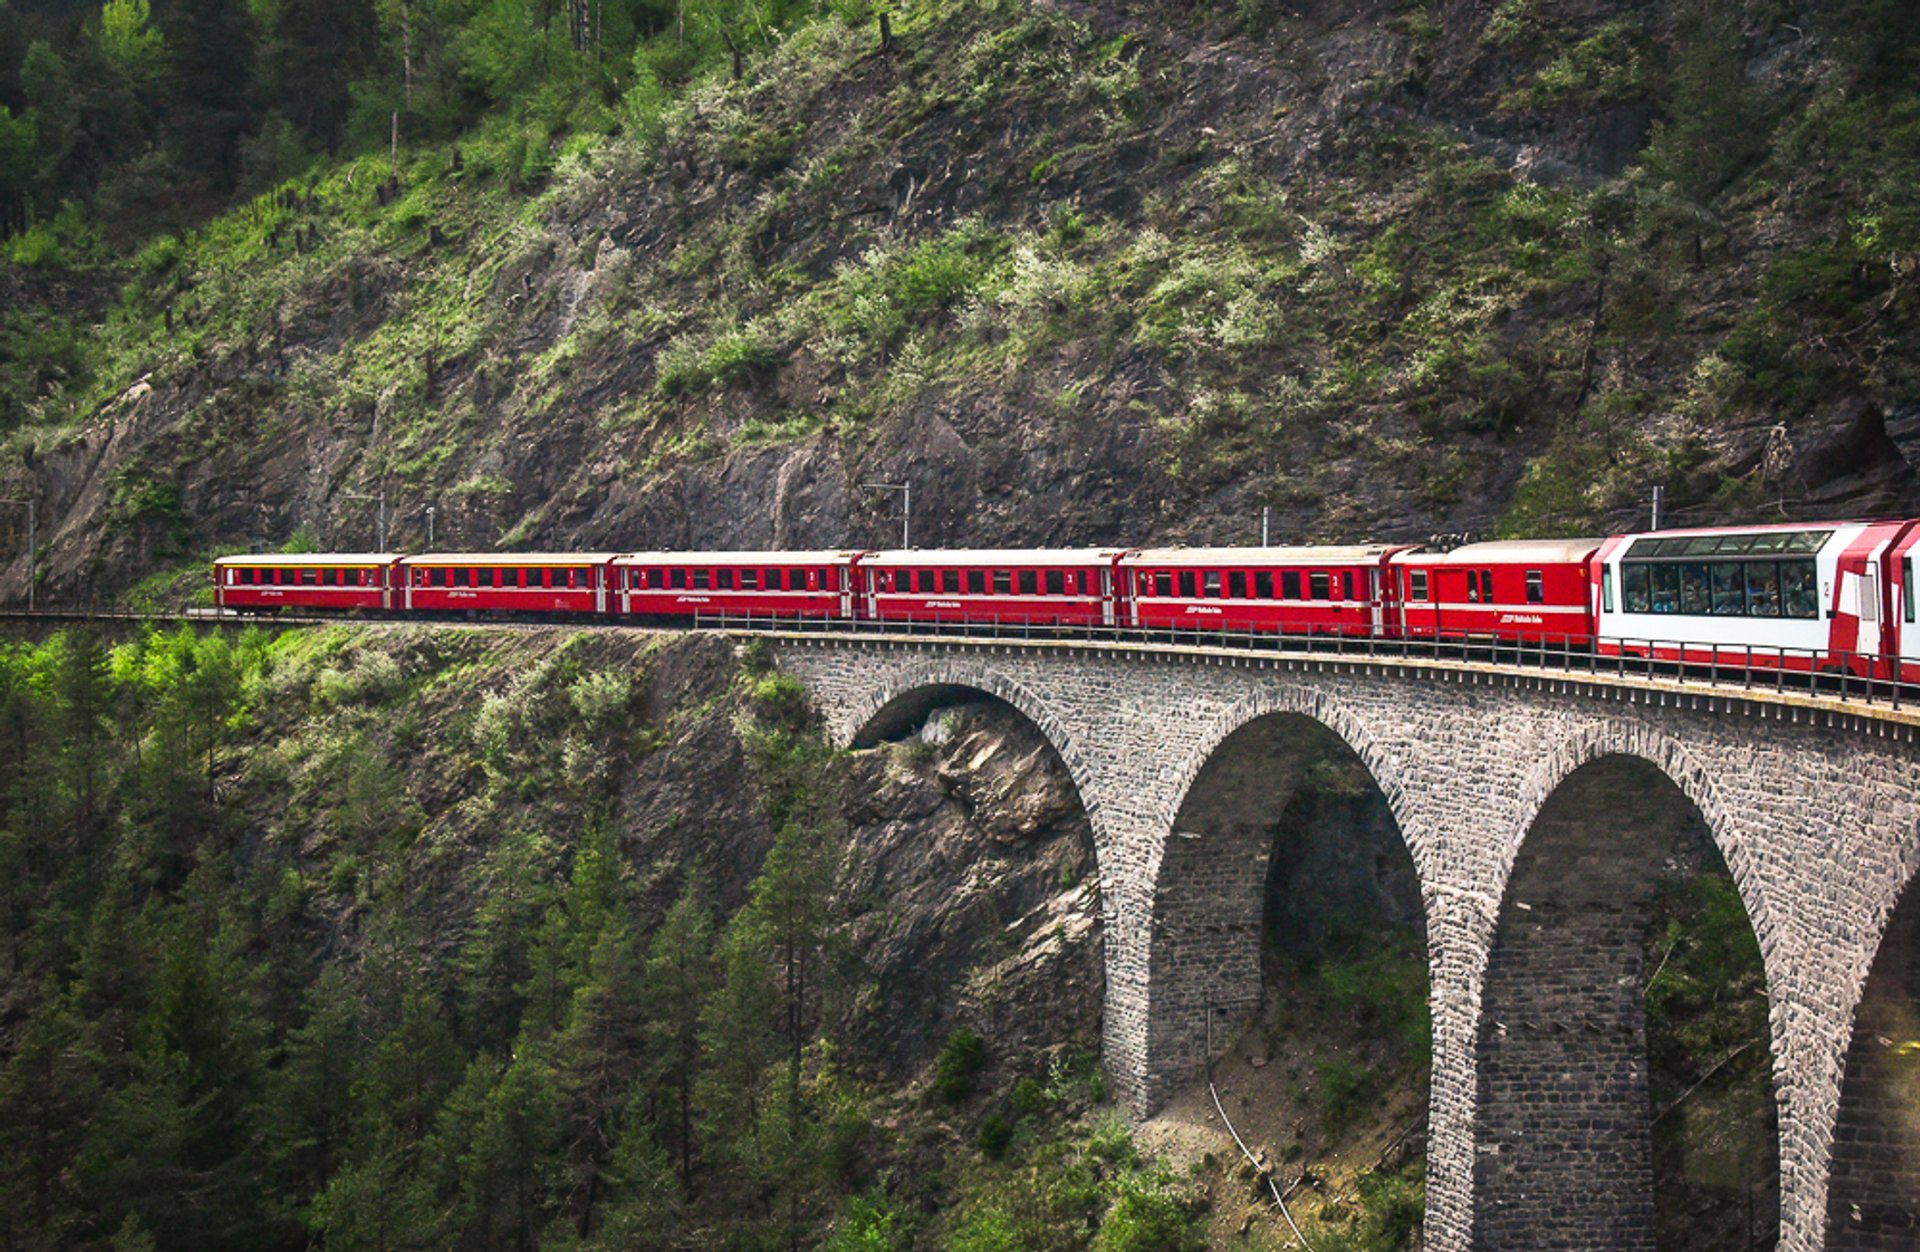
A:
973,876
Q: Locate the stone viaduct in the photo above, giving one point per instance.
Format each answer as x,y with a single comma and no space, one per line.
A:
1538,809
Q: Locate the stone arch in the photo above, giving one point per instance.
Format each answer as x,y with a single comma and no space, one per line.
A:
1873,1196
1563,1144
1204,975
870,711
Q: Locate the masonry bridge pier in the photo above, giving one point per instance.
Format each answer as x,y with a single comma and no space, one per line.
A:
1538,811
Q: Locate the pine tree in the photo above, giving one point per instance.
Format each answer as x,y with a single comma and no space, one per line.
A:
210,94
679,979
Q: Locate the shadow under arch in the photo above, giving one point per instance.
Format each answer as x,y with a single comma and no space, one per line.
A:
1873,1197
1210,883
1621,831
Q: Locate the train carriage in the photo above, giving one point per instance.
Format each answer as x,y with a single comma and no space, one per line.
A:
1067,586
1527,590
330,582
1295,590
506,582
751,584
1795,596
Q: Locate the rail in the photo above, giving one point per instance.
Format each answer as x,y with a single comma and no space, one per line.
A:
1853,679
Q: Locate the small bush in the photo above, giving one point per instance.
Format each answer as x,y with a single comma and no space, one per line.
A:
1149,1216
872,1224
956,1072
996,1134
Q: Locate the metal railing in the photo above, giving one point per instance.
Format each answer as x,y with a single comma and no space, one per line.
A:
1849,677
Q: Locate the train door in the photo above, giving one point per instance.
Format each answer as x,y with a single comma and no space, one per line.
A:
1109,613
1376,611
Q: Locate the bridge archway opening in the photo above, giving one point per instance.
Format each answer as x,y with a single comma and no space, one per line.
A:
1873,1199
1625,1093
1289,962
951,783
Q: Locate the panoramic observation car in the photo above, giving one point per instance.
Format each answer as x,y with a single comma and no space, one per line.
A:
338,581
754,584
1303,591
506,582
1055,587
1788,596
1536,590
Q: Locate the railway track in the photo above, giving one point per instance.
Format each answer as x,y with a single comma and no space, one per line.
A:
1891,702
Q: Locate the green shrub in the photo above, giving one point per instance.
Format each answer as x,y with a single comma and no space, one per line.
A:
872,1224
1149,1216
996,1133
956,1072
1345,1089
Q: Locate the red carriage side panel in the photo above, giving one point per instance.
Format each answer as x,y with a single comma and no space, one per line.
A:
1012,587
748,584
1318,591
357,582
1531,590
505,582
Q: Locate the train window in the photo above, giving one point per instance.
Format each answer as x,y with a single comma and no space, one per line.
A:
1320,586
1056,582
773,580
1763,588
1189,584
1870,595
330,578
1346,585
1417,584
1666,588
1002,582
1237,584
749,580
678,578
1906,587
1606,588
1536,587
461,577
1163,584
1798,597
1694,597
723,580
1210,583
1486,585
1263,584
1029,582
1636,589
703,580
950,581
929,581
1290,584
976,582
1473,586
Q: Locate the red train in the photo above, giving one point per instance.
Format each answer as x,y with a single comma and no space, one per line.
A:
1807,596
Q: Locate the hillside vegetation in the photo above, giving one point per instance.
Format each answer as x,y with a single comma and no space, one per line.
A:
608,275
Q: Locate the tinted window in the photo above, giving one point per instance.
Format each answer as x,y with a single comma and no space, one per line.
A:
1727,589
1763,589
1606,588
723,579
1163,584
976,582
1417,585
1694,597
702,579
929,581
1056,582
1263,584
1237,585
1473,586
1536,587
1290,584
1906,586
1346,585
950,581
1636,589
1666,588
1799,594
749,580
1002,582
1211,581
1029,582
1188,583
1320,586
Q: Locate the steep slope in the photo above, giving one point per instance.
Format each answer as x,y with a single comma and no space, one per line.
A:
1081,272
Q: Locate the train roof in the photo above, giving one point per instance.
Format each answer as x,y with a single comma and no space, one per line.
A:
298,559
1331,554
992,556
818,557
1509,551
511,558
